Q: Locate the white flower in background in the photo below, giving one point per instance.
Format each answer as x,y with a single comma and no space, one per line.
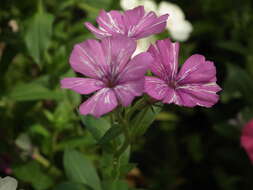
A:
143,44
8,183
179,28
149,5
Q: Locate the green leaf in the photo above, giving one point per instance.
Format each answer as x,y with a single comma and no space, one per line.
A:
233,47
143,120
32,173
74,142
110,134
115,185
238,83
38,35
96,126
32,91
194,147
71,186
80,170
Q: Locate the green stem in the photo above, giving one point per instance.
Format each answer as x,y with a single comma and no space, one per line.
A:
138,105
124,146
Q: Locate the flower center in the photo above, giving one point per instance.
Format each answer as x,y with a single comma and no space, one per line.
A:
172,84
110,84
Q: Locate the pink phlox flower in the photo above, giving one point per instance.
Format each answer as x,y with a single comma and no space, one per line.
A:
110,71
195,83
247,139
134,23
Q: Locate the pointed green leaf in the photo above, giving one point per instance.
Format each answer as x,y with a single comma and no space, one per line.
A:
110,134
71,186
79,169
143,120
32,91
38,35
96,126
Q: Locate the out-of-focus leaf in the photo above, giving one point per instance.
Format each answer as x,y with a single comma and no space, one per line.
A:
38,129
194,146
143,120
238,82
232,46
110,134
227,130
71,186
38,34
75,142
115,185
80,170
96,126
32,173
32,91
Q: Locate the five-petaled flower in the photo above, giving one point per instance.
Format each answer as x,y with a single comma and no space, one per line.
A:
134,23
195,83
111,72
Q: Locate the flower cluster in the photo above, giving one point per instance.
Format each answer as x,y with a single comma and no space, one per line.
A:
178,27
116,77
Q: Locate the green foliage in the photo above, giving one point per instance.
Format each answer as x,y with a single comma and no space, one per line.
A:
80,170
33,174
37,37
96,126
32,91
71,186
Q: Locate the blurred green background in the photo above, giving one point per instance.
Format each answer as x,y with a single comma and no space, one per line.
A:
183,149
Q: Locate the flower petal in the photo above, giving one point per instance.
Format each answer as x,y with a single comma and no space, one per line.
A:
165,54
82,85
247,139
111,22
201,95
88,58
133,23
97,32
126,92
136,68
197,70
118,51
100,103
150,24
156,88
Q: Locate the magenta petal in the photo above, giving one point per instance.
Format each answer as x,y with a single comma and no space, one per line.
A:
111,22
197,70
100,103
165,54
133,16
136,68
97,32
150,24
118,51
201,95
88,58
126,92
132,23
82,85
155,87
247,139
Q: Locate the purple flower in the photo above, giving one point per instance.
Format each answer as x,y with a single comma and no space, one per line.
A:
111,72
133,23
195,83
